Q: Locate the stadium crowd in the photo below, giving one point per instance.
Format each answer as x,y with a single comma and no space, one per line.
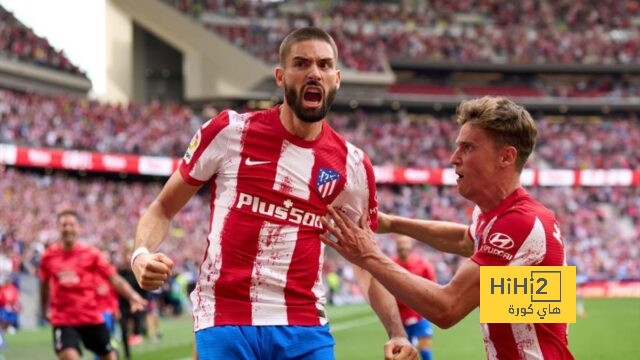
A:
17,41
367,33
600,224
390,138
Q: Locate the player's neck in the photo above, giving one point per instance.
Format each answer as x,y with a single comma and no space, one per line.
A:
304,130
495,196
67,245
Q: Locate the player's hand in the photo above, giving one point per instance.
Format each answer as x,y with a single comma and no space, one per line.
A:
152,270
399,348
137,303
354,242
384,223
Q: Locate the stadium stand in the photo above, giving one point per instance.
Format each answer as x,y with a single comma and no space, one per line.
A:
17,41
565,32
600,224
390,138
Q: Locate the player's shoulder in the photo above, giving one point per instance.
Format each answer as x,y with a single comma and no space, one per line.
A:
51,251
230,116
526,210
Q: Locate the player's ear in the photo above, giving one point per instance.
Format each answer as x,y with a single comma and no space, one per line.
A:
279,75
338,78
508,155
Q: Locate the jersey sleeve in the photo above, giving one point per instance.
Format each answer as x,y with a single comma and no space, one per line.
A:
102,267
43,270
515,239
204,155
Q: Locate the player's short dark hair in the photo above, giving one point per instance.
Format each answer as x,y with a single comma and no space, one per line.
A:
506,122
67,213
304,34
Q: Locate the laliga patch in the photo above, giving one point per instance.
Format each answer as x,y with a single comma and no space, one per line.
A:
193,145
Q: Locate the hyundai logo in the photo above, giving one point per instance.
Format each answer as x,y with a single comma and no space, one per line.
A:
500,240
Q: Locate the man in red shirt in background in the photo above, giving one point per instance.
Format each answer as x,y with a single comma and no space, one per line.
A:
9,304
68,272
418,328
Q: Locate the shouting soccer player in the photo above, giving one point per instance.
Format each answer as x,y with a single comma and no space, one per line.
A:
271,173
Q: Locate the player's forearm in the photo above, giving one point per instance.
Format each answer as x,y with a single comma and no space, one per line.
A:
426,297
153,227
382,302
441,235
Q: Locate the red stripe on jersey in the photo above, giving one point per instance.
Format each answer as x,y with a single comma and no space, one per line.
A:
303,271
373,198
240,236
553,347
501,337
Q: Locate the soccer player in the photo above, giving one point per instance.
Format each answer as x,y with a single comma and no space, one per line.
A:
68,271
9,304
271,173
508,228
417,327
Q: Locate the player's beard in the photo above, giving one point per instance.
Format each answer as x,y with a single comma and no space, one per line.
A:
294,99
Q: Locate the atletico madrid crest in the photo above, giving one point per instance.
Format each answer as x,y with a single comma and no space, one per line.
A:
327,181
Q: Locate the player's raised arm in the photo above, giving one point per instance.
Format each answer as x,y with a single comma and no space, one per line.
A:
443,305
152,269
441,235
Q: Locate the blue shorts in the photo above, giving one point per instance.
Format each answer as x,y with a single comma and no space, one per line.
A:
265,343
9,317
419,330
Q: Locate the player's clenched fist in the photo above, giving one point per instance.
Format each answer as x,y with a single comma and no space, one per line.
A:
151,270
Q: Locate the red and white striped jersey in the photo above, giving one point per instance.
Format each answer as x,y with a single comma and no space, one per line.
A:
269,189
520,232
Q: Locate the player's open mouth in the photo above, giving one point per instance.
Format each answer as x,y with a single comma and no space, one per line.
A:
460,176
312,96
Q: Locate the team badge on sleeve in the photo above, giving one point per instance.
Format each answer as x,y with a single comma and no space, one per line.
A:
326,182
195,142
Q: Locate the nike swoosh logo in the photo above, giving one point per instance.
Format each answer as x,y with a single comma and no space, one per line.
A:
250,162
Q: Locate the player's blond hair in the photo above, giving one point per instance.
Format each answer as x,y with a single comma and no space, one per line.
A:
506,123
304,34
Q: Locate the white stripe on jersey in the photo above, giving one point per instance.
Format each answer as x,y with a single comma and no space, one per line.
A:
319,289
269,275
356,189
527,341
488,344
203,296
294,160
534,247
474,225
